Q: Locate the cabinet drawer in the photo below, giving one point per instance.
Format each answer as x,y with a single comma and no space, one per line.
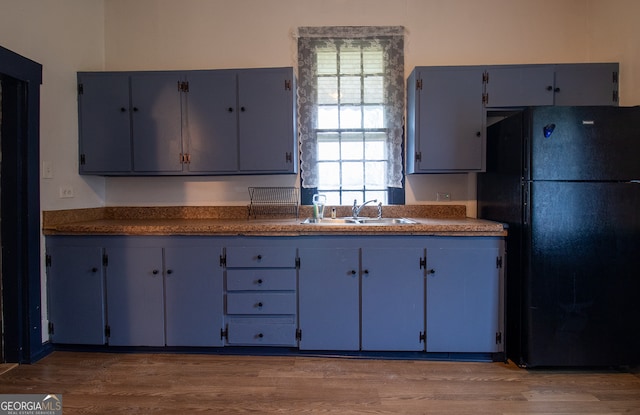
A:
261,256
261,279
261,303
265,332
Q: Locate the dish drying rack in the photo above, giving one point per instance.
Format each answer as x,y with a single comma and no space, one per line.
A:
273,201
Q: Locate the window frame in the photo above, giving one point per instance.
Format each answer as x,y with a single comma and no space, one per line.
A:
360,37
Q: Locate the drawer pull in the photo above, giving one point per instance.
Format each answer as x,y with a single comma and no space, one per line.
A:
259,281
259,305
259,257
260,335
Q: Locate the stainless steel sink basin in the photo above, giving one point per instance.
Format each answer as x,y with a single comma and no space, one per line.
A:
360,221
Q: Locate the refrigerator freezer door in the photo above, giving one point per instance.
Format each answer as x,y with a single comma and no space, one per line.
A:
584,143
580,291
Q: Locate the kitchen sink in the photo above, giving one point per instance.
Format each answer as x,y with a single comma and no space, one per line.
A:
360,221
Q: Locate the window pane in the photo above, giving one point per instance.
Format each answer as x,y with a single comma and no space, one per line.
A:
328,118
375,174
373,117
348,198
329,149
333,198
374,90
328,90
329,175
352,174
375,146
350,60
327,61
350,90
352,150
372,61
350,117
381,196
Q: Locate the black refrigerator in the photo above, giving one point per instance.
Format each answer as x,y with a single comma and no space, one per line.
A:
566,180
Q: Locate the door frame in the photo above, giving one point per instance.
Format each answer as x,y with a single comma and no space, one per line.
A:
20,210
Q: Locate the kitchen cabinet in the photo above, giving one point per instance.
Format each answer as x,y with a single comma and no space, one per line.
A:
464,306
104,123
328,292
162,292
129,123
561,84
193,295
586,84
363,297
268,142
75,281
347,293
261,298
135,304
187,122
393,298
445,119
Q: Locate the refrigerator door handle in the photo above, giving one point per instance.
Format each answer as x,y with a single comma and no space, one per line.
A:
525,202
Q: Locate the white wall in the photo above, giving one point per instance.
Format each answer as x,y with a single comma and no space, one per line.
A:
72,35
63,36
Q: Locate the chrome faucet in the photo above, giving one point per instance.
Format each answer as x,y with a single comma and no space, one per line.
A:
355,210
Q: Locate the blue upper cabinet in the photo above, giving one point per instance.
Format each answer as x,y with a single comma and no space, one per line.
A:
518,85
561,84
445,120
211,125
104,123
188,123
586,84
266,120
156,122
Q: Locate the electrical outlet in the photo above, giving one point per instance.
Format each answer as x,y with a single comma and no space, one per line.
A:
443,196
66,192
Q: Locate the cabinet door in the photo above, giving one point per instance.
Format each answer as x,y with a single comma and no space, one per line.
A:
449,125
517,86
104,123
157,129
393,294
266,105
328,288
463,286
212,121
193,291
76,294
135,290
586,84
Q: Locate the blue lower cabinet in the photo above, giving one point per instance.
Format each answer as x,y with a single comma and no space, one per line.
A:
75,282
261,298
464,307
369,298
135,296
393,293
164,293
325,293
193,295
328,289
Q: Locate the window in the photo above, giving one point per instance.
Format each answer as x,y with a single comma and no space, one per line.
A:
351,106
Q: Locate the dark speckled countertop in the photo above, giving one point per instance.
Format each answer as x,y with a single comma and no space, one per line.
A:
233,220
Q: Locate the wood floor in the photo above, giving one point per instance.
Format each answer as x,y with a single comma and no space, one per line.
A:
114,383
